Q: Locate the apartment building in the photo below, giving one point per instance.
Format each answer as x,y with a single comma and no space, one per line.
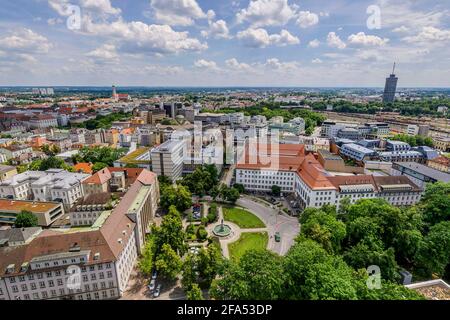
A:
7,172
92,263
15,150
51,185
110,180
356,152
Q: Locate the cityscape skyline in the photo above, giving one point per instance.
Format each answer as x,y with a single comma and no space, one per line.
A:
220,44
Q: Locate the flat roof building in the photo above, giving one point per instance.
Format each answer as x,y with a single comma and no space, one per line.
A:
45,212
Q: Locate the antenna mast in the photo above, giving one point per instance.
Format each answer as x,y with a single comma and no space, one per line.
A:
393,69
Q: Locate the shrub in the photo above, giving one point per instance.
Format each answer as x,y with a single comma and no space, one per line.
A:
202,233
204,221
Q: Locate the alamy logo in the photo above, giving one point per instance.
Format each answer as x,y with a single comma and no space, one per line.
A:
74,279
374,279
74,17
374,20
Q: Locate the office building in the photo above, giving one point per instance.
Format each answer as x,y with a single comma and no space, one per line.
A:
45,212
419,173
167,159
390,87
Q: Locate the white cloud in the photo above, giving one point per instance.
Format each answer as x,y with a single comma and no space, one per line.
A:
217,29
401,29
60,6
314,43
334,41
316,61
164,70
105,53
397,13
366,40
429,34
177,12
307,19
260,38
101,6
276,64
206,64
260,13
54,21
25,41
234,64
139,37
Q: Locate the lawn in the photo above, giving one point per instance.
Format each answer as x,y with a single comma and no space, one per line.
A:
242,218
248,241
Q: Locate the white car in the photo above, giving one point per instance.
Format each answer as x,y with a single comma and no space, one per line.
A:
157,291
152,285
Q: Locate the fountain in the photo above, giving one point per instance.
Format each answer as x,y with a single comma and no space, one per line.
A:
222,230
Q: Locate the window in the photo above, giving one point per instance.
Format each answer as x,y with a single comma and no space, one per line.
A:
51,283
15,289
60,282
24,287
33,286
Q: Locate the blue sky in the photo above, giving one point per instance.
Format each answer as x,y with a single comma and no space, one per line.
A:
224,43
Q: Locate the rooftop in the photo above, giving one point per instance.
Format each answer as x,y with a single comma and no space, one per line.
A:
134,156
32,206
425,170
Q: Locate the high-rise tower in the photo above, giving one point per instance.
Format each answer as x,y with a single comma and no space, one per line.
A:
114,93
390,87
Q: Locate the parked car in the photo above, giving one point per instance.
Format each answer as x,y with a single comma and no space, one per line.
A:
154,275
152,285
157,291
277,237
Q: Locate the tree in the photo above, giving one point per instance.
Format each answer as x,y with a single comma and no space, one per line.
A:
435,203
171,231
146,262
369,252
202,180
194,293
209,262
324,228
49,163
178,196
168,263
433,255
239,187
230,194
276,190
99,166
50,150
189,272
258,275
26,219
311,273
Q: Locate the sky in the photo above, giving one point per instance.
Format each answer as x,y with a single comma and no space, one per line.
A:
294,43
